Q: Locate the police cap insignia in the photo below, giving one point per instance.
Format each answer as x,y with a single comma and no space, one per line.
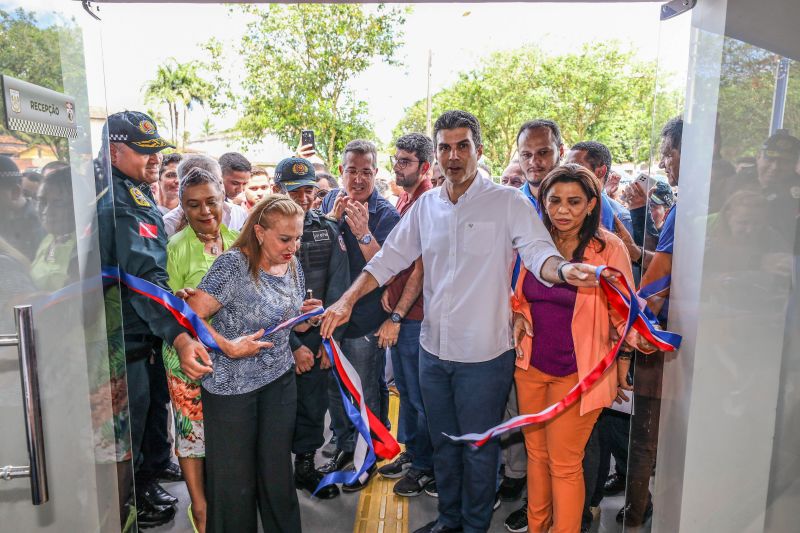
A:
300,169
147,127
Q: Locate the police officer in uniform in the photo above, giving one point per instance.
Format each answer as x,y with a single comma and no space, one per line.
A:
132,236
327,273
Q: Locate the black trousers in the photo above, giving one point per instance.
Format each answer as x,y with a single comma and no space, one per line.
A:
148,400
248,459
156,447
644,433
312,403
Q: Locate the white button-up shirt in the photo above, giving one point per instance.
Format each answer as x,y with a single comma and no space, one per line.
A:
467,251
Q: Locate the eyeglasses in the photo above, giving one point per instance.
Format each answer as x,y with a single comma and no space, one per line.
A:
352,173
402,163
321,194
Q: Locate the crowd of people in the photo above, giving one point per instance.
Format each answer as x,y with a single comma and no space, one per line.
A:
480,291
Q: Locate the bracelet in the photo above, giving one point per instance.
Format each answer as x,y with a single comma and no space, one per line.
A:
560,271
625,356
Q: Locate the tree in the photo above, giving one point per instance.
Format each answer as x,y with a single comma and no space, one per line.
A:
299,60
49,56
747,86
601,93
178,86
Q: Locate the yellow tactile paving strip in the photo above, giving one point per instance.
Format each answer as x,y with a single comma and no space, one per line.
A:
379,510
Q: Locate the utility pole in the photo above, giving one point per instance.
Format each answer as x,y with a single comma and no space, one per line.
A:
429,126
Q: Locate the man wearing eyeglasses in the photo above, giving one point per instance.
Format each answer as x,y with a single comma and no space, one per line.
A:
401,331
365,219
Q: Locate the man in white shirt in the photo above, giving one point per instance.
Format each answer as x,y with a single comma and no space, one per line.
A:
233,216
466,232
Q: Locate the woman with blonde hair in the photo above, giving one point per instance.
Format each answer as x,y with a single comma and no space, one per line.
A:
249,402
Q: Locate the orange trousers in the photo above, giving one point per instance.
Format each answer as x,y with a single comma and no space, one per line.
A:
555,452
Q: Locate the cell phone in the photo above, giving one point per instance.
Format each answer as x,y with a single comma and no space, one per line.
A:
643,181
307,137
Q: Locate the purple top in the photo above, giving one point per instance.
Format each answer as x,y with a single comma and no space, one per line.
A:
551,309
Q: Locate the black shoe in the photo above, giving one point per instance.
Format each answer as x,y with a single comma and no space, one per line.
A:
496,505
614,484
630,522
341,460
170,474
435,527
397,468
430,489
306,477
329,449
413,483
156,495
148,515
357,486
517,522
511,488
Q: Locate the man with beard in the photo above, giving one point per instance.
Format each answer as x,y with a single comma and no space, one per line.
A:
324,260
466,232
400,332
540,149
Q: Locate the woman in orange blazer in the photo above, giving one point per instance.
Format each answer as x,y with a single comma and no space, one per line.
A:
561,333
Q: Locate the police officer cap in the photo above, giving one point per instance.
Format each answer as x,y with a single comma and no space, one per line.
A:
295,172
9,172
781,145
662,195
137,130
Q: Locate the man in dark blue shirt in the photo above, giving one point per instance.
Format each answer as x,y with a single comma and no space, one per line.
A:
365,219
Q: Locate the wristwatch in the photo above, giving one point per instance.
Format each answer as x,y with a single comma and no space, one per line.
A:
366,239
396,318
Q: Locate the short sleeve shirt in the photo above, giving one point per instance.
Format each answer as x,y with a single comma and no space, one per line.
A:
667,237
248,306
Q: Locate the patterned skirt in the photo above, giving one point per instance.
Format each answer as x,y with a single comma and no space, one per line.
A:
187,407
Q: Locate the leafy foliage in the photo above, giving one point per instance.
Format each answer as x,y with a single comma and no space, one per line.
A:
601,93
745,102
178,86
298,62
45,56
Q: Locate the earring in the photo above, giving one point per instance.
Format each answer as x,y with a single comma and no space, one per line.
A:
589,213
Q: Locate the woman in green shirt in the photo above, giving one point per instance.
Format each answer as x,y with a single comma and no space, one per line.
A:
190,253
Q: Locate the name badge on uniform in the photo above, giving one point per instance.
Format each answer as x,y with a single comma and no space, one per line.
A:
139,197
320,235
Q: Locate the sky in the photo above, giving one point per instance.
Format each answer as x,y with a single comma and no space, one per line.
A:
133,39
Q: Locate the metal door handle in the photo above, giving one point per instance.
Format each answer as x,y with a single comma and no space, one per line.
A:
26,347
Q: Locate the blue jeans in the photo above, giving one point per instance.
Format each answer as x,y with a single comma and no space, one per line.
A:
369,362
465,398
413,424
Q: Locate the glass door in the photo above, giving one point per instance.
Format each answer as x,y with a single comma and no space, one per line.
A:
714,444
64,445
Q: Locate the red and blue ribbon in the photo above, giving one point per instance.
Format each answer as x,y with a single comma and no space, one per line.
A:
382,444
627,305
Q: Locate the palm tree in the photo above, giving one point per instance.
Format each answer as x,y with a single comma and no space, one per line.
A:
180,87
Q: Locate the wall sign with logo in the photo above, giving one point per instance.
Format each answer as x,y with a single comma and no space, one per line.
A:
34,109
